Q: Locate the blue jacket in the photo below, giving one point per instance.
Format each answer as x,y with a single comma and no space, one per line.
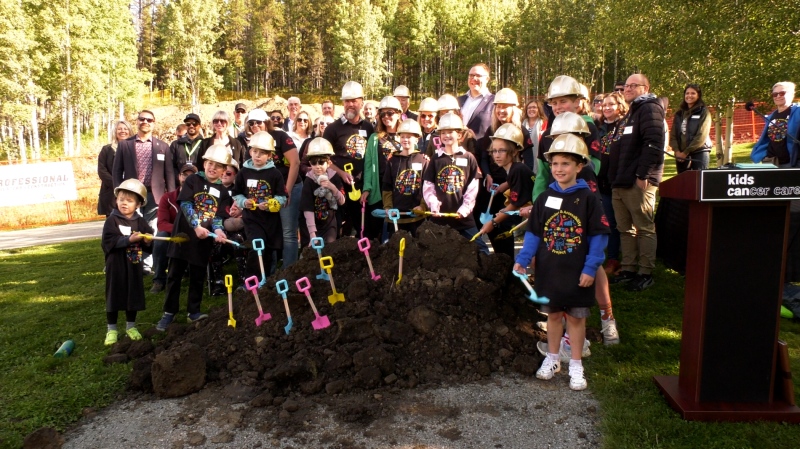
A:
793,129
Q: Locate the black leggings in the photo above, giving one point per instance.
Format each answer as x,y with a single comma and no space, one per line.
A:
112,317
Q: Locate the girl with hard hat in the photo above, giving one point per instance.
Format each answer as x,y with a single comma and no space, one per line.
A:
380,147
452,180
204,203
427,121
323,193
401,186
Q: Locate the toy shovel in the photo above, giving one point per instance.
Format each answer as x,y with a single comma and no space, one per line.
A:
363,246
317,243
442,214
394,215
179,238
282,287
510,232
486,217
229,284
258,245
363,214
437,142
381,213
532,293
402,250
327,263
321,322
354,194
476,236
251,284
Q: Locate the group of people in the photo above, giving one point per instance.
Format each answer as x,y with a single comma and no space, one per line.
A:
583,174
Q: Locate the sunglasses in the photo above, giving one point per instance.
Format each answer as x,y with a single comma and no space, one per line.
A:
219,121
302,120
426,116
192,124
255,122
619,89
229,173
145,119
318,161
275,117
778,94
240,111
387,114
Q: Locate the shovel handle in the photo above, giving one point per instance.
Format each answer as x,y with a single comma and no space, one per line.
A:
394,214
326,263
251,283
364,245
402,246
475,237
348,167
258,245
282,287
494,187
437,142
303,284
317,243
229,282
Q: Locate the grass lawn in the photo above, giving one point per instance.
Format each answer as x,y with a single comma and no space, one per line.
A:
52,293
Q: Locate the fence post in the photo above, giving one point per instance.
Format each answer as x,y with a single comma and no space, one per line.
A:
69,212
753,123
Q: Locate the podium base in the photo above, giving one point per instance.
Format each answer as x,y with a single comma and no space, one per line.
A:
724,411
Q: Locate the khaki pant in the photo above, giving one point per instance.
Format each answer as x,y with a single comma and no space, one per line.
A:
635,209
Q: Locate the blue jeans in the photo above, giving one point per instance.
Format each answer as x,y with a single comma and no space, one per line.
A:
160,259
612,250
289,217
469,233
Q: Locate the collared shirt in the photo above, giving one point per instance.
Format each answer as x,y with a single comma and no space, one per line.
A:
471,104
144,160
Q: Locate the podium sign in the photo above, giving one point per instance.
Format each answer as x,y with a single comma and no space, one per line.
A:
750,185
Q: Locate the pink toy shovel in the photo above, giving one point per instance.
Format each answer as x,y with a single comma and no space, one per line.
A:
327,264
321,322
363,246
282,287
251,284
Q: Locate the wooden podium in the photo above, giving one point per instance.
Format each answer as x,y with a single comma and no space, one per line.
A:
738,229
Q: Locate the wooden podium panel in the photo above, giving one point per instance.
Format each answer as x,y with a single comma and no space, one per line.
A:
734,280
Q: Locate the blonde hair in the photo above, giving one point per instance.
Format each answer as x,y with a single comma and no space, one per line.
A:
114,140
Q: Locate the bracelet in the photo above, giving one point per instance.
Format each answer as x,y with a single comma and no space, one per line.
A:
494,223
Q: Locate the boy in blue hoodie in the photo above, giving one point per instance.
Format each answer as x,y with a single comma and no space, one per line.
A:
567,232
259,190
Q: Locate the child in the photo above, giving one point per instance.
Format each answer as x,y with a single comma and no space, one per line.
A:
222,252
259,190
567,233
402,180
323,193
122,245
204,202
451,181
507,143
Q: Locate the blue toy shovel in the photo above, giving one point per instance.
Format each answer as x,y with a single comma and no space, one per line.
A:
282,286
486,217
317,243
510,212
381,213
532,296
394,215
258,245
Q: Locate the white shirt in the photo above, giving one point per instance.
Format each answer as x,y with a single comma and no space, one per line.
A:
471,104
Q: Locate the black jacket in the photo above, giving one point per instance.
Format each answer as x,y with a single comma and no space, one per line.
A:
639,151
162,179
481,120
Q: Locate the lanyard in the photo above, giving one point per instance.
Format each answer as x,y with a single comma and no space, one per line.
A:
194,147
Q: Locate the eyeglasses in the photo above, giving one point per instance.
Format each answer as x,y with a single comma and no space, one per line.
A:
192,124
146,119
275,118
240,111
426,116
219,121
255,122
597,102
301,120
778,94
476,75
229,173
634,86
501,152
387,114
317,161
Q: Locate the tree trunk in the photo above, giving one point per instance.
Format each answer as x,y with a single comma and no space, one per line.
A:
78,127
729,133
23,152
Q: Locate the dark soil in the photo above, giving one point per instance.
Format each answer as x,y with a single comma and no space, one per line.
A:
456,316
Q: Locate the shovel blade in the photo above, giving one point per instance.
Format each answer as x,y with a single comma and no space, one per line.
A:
323,276
486,218
264,317
354,195
288,327
321,322
538,299
232,323
336,297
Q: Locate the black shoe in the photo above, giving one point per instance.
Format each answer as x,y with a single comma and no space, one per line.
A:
642,282
158,287
218,290
623,277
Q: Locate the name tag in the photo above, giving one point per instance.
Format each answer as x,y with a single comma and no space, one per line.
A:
462,162
160,157
213,192
252,182
695,116
362,133
553,202
627,130
416,166
125,230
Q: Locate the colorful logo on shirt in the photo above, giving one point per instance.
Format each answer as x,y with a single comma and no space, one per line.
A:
777,130
563,232
205,206
388,147
407,182
134,253
322,208
261,192
450,179
356,146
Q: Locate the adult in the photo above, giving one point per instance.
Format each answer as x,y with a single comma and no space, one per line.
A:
327,108
293,105
614,108
636,165
619,86
184,148
220,137
597,108
691,127
535,122
427,121
403,95
348,135
276,116
476,104
774,146
287,160
106,201
149,160
301,129
380,148
370,112
239,117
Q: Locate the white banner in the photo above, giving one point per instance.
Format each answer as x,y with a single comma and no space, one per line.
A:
36,183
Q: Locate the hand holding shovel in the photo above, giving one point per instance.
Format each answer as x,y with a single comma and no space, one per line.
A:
363,246
282,287
321,322
510,232
178,238
251,284
229,284
327,264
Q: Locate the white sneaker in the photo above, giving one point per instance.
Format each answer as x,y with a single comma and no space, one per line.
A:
548,369
542,325
576,380
609,330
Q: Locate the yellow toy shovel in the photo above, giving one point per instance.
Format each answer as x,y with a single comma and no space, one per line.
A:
327,264
354,194
402,250
229,284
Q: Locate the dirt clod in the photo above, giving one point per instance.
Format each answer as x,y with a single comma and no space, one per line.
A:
179,371
43,438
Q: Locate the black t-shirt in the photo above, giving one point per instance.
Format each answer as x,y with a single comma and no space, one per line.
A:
776,132
520,184
324,215
349,143
451,175
403,178
388,145
607,135
209,200
563,221
283,143
260,186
